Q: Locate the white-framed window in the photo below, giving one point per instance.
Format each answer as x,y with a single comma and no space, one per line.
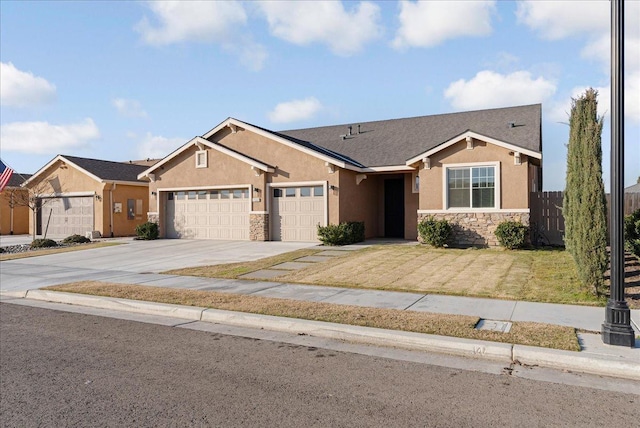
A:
201,159
472,186
415,180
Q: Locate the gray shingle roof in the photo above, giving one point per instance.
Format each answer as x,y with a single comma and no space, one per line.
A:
17,179
109,170
393,142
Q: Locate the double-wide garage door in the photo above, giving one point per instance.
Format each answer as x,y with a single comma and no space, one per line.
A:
66,216
209,214
296,213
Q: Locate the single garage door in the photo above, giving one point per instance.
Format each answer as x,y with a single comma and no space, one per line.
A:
297,211
209,214
66,216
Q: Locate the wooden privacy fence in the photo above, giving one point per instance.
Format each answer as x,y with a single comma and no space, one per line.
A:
547,222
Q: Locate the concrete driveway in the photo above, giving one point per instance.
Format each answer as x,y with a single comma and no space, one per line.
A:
131,258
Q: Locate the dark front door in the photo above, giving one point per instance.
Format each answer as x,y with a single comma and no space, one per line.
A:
394,208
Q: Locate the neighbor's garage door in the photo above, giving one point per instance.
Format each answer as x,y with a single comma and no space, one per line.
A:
297,211
210,214
67,215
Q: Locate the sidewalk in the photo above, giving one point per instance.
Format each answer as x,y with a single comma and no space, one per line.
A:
595,357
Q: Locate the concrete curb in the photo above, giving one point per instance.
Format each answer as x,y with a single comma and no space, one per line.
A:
368,335
191,313
577,361
585,362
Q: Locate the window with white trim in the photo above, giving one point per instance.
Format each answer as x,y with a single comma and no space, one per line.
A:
201,159
471,187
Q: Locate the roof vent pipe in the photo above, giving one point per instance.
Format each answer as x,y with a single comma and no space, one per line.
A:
358,128
512,124
349,128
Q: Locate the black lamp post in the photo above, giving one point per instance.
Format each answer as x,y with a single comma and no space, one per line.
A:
616,329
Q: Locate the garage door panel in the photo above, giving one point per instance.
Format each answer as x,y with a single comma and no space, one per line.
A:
209,217
296,214
67,215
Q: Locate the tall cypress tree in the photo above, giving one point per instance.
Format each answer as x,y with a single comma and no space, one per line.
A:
584,206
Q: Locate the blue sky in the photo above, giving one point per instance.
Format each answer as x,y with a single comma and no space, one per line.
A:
131,80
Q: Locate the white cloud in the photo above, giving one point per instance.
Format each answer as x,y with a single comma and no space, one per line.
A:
220,22
559,112
23,89
489,89
426,24
45,138
554,20
591,21
179,21
327,22
295,110
156,146
129,108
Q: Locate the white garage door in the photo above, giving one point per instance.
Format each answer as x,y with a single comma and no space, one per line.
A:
209,214
297,211
67,216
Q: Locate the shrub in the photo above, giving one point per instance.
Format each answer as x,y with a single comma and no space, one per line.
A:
147,231
76,239
43,243
435,232
342,234
632,232
511,234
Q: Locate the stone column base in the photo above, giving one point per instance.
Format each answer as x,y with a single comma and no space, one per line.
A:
259,227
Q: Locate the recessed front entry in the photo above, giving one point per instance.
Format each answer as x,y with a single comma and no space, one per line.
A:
394,208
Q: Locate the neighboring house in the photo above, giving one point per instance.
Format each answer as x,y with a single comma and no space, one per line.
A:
632,189
14,217
241,181
80,195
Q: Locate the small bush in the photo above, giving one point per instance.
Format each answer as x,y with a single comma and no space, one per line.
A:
147,231
632,232
435,232
342,234
511,234
43,243
76,239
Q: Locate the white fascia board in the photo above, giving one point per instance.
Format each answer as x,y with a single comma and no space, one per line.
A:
280,140
235,155
126,183
166,159
393,168
52,162
477,137
65,194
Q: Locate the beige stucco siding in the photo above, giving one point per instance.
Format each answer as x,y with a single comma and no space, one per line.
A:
514,180
20,223
411,201
359,202
122,224
291,165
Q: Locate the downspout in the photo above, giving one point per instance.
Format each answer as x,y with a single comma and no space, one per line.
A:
11,216
113,187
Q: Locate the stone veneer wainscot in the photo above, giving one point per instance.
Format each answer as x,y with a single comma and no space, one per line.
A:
476,229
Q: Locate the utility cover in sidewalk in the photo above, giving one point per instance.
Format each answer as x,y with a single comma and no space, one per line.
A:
492,325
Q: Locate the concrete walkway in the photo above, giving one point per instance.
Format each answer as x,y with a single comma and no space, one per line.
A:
50,270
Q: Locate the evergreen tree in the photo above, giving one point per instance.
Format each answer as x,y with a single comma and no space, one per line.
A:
584,206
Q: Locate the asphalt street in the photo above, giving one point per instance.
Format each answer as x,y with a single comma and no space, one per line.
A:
71,369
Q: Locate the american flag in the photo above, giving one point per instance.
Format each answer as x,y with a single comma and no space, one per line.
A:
5,175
